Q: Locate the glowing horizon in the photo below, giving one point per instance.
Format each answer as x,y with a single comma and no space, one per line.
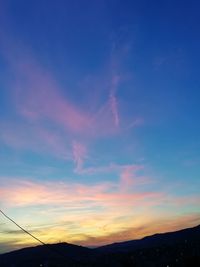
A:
99,121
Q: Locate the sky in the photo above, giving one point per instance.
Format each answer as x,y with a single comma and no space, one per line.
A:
99,120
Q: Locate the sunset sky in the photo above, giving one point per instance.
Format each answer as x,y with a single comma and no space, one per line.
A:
99,119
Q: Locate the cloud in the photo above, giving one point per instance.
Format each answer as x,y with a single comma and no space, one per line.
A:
110,168
25,193
146,228
44,119
128,177
79,155
39,139
38,98
95,214
63,204
136,122
113,100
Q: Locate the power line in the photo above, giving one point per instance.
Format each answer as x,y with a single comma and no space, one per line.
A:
34,237
25,231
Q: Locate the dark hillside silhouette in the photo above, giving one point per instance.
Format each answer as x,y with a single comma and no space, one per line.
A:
175,249
164,239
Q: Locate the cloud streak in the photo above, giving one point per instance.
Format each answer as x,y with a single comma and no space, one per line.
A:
79,155
102,211
113,99
108,194
38,98
89,214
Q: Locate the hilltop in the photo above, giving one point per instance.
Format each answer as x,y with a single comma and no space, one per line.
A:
180,249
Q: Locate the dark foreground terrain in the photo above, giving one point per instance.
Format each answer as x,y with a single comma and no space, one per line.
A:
181,248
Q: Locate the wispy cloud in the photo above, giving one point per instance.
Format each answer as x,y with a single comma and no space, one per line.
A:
136,122
113,99
36,138
91,214
39,98
79,155
147,227
110,168
66,203
25,193
46,120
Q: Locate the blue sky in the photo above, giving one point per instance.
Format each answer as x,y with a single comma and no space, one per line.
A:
99,119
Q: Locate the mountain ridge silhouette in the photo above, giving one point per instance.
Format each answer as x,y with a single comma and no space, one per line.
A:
170,245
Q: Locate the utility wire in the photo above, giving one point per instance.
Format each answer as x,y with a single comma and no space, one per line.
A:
25,231
37,239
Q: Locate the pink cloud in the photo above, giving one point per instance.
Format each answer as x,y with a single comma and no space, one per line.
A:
48,120
33,193
35,138
38,97
103,124
129,178
103,212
